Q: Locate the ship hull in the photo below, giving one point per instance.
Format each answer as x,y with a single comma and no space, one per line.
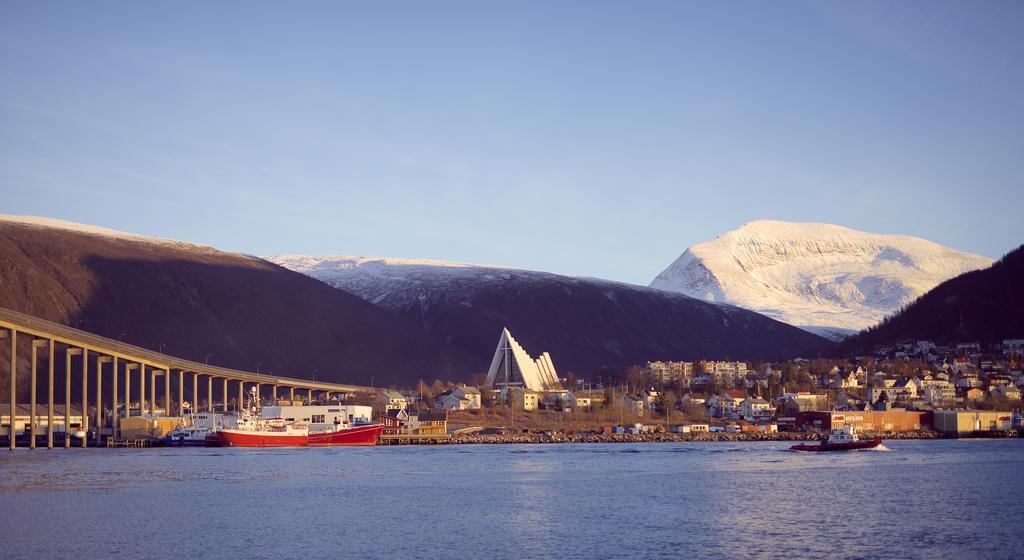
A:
359,435
852,446
239,438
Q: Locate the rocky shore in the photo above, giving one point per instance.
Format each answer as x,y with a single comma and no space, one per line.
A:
589,437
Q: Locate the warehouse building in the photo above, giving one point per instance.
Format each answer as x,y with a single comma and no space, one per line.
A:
968,421
885,421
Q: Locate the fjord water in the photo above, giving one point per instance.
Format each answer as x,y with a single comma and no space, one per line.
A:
918,499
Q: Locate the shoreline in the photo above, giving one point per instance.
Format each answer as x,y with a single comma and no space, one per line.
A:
705,437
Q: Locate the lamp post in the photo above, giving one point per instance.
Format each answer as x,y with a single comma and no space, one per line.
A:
207,359
258,366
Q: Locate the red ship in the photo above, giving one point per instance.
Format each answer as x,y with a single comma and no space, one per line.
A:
840,440
255,431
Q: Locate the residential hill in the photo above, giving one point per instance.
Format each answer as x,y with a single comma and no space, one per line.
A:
981,306
824,278
196,302
584,323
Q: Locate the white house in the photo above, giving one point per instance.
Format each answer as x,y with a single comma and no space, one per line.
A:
393,400
452,402
472,394
756,409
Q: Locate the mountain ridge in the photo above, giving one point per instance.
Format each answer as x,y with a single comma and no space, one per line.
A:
584,323
985,306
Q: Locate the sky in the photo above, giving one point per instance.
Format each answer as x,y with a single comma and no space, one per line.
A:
586,138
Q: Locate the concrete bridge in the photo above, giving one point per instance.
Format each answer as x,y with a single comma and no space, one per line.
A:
116,363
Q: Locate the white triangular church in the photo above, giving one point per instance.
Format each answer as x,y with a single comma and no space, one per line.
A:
513,366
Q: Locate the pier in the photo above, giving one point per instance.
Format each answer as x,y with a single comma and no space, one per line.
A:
102,360
414,439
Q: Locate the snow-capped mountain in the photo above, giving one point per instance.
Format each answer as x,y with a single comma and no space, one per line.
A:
824,278
585,323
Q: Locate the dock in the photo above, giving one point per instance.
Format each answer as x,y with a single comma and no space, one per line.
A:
415,439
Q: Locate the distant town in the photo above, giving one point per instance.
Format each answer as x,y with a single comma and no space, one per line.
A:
913,389
916,386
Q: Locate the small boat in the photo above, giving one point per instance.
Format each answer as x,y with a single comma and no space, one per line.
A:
843,439
195,430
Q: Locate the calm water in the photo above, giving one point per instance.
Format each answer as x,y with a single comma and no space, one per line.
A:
928,499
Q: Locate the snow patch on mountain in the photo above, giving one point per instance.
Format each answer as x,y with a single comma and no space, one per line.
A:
395,282
53,223
828,279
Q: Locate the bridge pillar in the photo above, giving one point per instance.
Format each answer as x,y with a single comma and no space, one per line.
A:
291,393
142,389
167,392
224,406
69,352
49,410
128,367
33,420
152,391
241,394
113,401
181,392
209,393
100,360
13,402
85,396
195,392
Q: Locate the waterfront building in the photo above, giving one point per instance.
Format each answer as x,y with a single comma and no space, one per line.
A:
395,421
889,420
756,410
145,427
967,421
23,419
512,366
428,422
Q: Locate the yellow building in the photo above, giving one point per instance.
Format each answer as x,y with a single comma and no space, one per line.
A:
143,427
429,422
966,421
525,399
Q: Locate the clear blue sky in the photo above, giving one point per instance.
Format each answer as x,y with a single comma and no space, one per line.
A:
587,138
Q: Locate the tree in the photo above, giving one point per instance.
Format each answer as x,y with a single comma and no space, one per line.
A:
665,402
635,376
570,380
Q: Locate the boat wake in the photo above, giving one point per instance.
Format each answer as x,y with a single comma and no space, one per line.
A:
879,447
